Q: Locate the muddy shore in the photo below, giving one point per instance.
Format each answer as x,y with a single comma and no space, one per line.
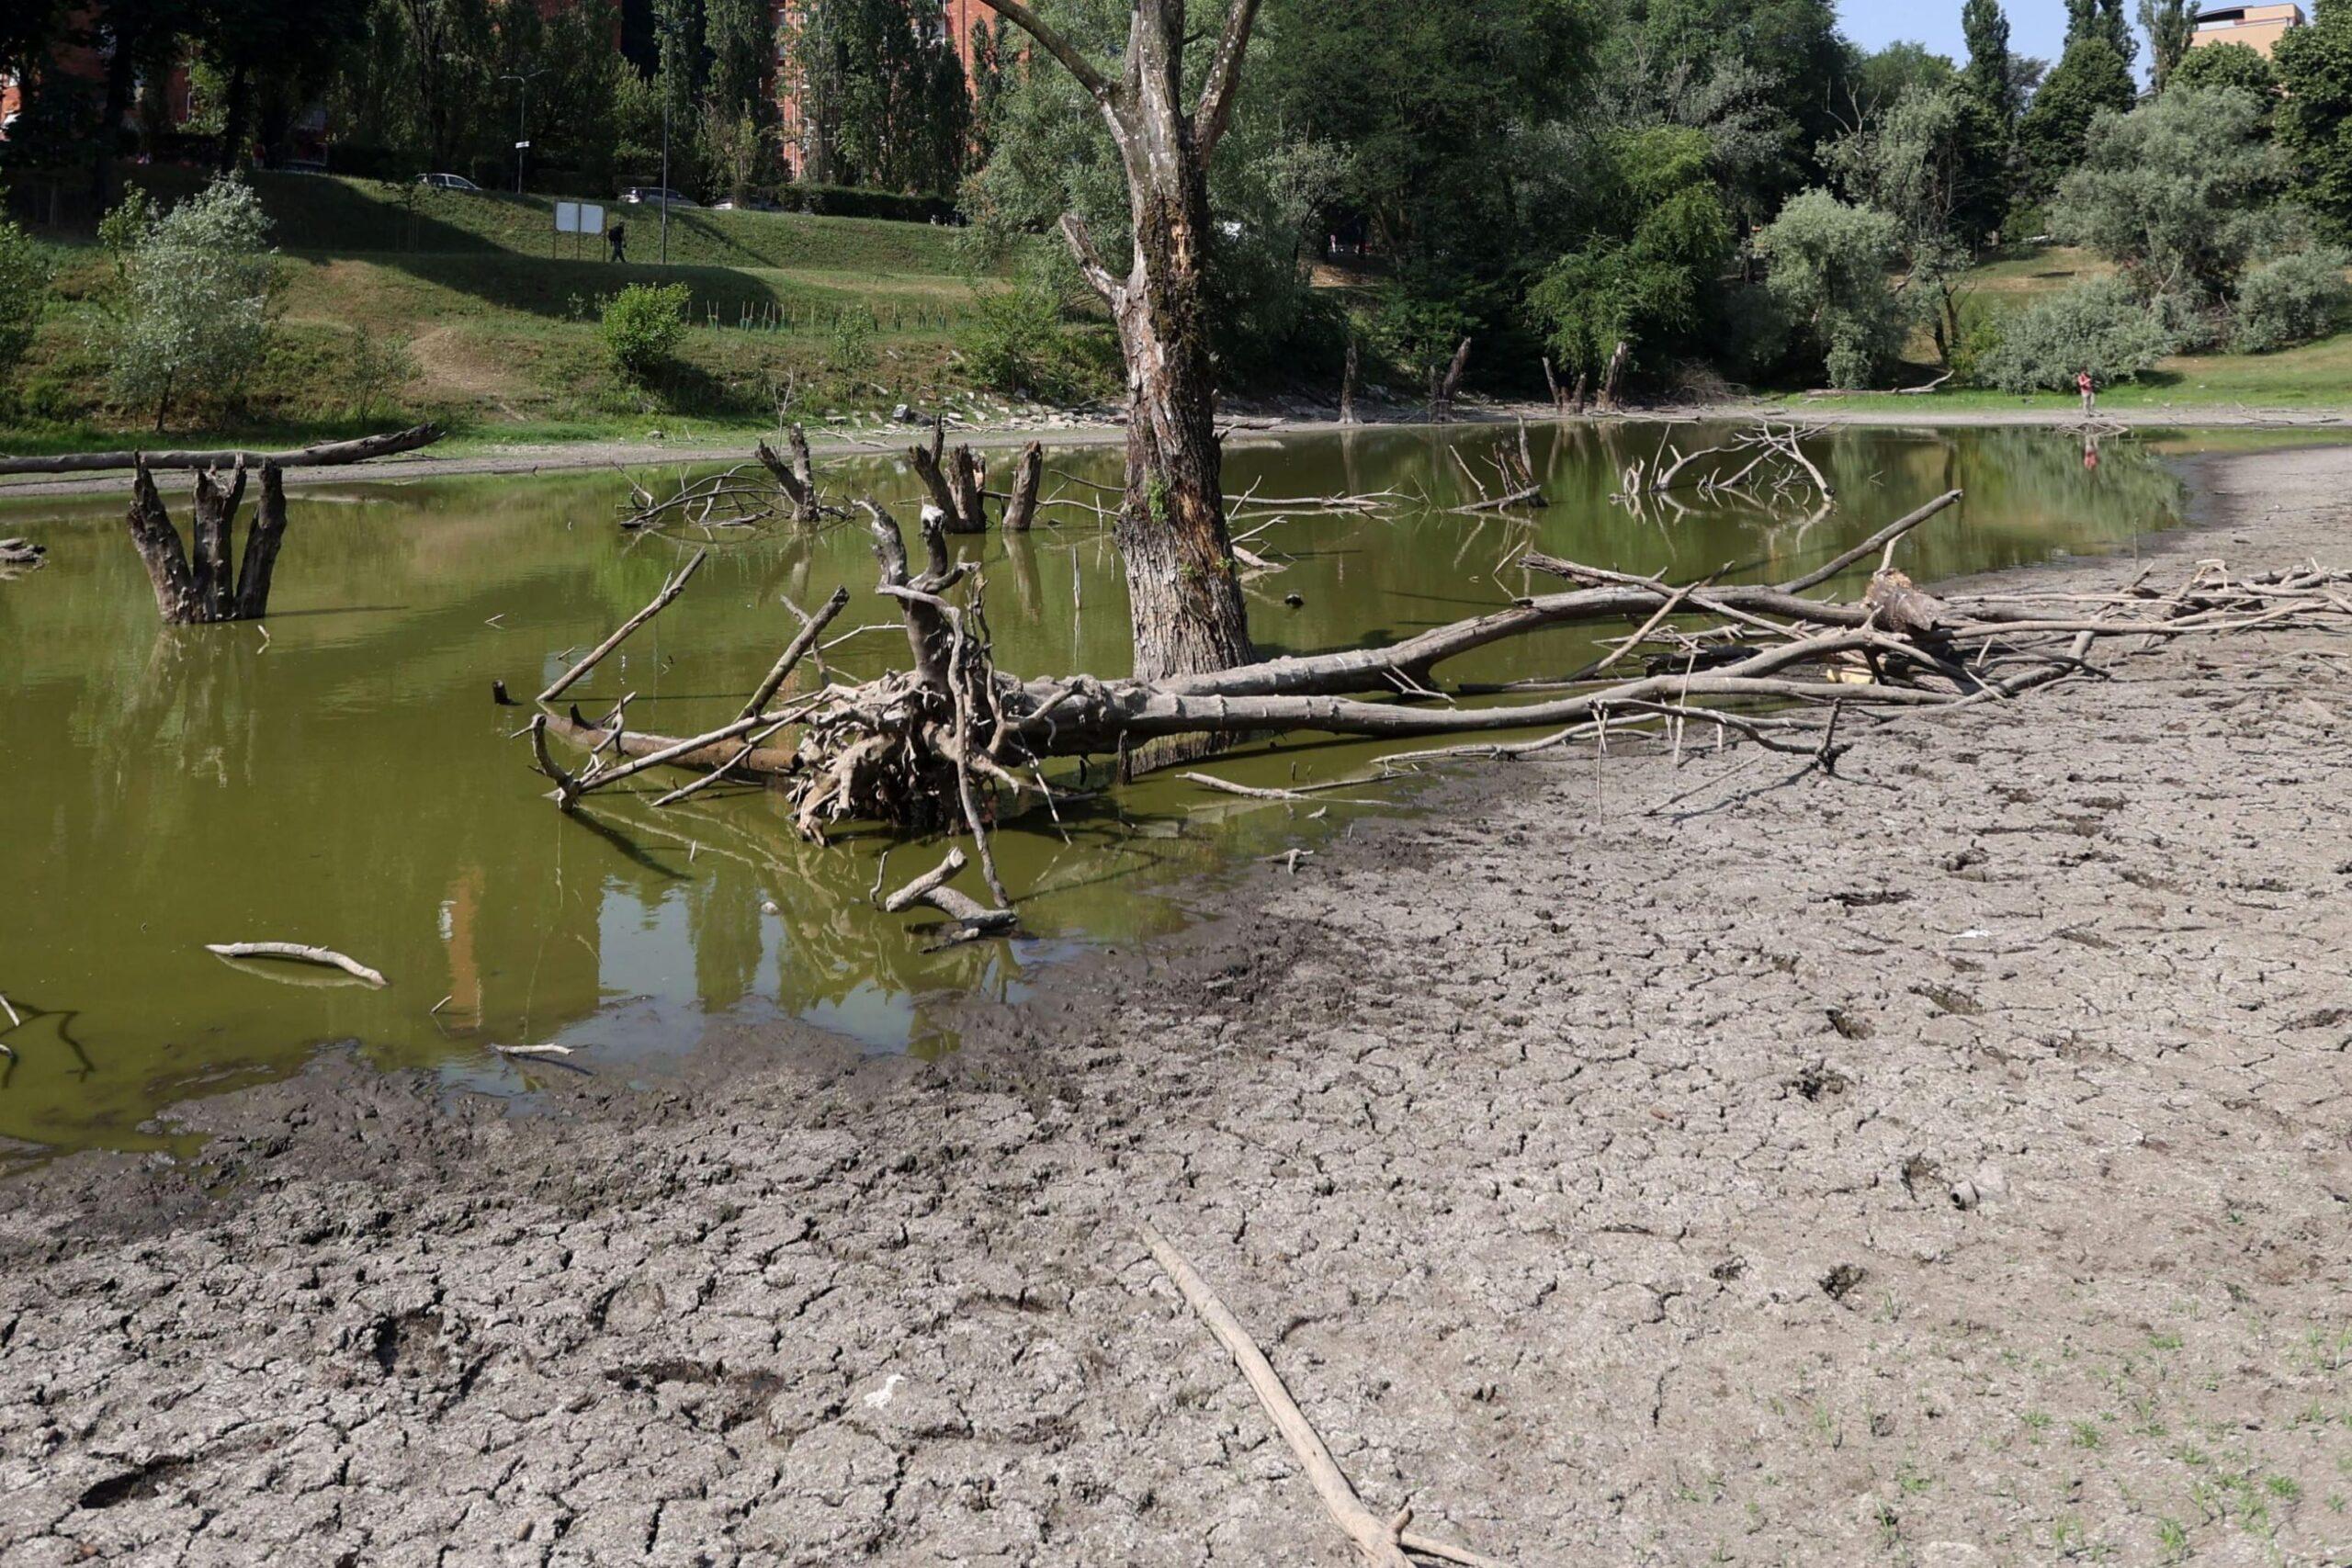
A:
1078,431
1946,1163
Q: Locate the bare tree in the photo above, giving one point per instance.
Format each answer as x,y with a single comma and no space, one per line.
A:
1182,585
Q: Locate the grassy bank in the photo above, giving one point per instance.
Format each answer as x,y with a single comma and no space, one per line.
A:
400,302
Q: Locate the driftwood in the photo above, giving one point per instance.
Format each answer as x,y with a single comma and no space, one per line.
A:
200,585
671,589
1380,1543
329,454
955,482
298,952
931,888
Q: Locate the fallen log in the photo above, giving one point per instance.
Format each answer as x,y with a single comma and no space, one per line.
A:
327,453
301,954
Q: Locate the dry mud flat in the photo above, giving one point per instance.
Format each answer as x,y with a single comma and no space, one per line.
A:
1946,1164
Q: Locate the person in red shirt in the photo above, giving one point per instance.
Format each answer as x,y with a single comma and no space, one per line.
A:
2090,398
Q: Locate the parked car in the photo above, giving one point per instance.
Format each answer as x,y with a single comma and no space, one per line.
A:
302,166
749,204
447,182
650,196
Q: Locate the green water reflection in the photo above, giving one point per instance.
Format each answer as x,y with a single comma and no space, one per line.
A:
347,782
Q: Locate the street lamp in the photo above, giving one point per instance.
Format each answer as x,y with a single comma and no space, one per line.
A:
521,118
674,49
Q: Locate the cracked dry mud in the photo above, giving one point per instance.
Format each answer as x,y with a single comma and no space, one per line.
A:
1942,1165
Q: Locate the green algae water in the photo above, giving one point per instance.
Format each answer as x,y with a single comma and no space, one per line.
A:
345,781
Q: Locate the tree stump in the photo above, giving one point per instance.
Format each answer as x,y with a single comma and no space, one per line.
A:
204,584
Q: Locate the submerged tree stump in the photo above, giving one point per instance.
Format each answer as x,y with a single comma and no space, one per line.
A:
203,584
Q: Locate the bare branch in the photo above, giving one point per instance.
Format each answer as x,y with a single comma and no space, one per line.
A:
1089,260
1060,48
1218,92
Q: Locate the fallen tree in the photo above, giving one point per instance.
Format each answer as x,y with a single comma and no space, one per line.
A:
327,453
923,747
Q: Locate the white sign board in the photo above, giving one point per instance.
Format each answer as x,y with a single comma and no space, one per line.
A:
592,219
567,218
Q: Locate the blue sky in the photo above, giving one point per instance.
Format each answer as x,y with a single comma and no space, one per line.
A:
2036,26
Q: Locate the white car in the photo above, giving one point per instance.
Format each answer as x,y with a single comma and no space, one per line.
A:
447,182
650,196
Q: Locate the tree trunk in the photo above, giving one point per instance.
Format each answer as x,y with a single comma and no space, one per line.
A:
262,540
1609,381
234,113
158,544
216,510
1444,384
1020,503
1348,383
1182,591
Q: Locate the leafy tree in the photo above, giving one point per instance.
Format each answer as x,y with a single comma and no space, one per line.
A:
200,286
2315,119
1640,280
1881,78
2179,193
2103,20
2293,300
2091,76
2226,65
2167,24
1431,109
1990,71
2099,326
24,292
1828,270
882,95
1935,163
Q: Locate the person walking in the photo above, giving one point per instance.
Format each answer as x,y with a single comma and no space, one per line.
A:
618,238
2090,396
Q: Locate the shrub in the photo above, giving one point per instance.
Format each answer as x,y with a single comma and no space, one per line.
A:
849,349
642,325
24,289
2098,326
1017,344
198,285
2290,301
376,367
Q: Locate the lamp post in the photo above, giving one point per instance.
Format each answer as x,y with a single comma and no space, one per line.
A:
522,117
673,48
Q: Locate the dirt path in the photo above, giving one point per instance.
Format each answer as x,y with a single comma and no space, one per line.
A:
1944,1165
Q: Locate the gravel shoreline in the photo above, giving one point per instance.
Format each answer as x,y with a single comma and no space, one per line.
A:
1943,1164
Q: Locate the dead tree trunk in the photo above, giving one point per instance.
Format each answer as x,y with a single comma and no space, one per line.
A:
796,477
1348,382
1020,504
953,484
1552,381
202,585
1443,385
1182,590
1615,373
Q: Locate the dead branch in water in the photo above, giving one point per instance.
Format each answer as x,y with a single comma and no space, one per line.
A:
931,888
671,587
298,952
